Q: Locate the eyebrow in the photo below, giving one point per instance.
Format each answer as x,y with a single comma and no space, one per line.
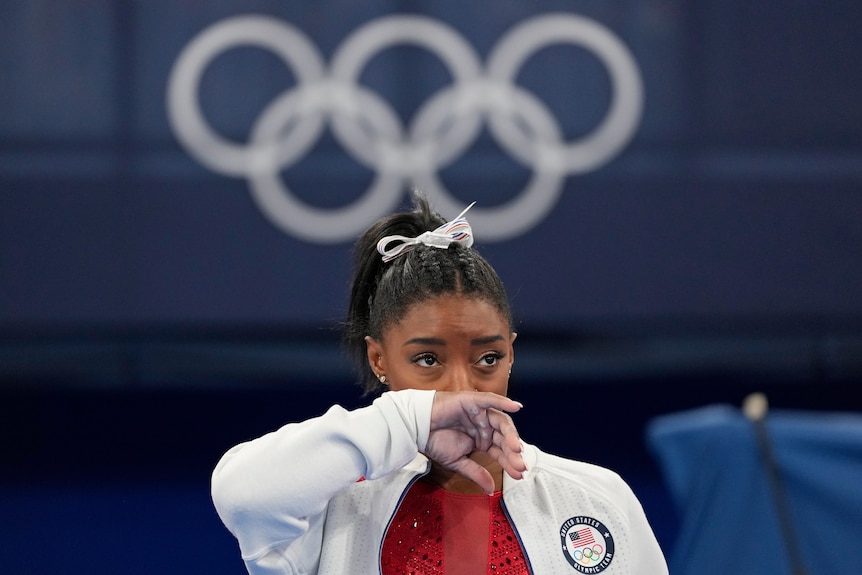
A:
484,340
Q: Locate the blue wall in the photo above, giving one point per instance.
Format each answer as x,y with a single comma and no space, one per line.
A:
154,310
727,194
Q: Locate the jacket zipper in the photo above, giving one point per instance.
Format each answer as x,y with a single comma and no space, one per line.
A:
410,483
517,534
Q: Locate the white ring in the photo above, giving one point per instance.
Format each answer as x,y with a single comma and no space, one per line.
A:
208,147
355,53
370,130
515,217
296,217
617,128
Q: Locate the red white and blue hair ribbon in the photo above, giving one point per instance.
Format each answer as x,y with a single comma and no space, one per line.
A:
457,230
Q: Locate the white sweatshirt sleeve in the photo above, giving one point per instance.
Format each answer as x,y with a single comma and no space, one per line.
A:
273,490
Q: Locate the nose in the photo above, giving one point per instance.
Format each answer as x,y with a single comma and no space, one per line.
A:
460,379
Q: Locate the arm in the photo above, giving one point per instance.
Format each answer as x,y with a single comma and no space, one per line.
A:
272,491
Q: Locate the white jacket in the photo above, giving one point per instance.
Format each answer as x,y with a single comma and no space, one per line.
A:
293,501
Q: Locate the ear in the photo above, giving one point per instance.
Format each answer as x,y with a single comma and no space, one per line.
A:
374,349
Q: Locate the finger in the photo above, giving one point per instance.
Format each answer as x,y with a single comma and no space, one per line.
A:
455,409
511,462
484,415
472,420
505,432
510,447
492,426
483,432
507,445
488,400
447,445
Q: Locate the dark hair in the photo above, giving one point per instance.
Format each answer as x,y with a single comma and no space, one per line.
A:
382,293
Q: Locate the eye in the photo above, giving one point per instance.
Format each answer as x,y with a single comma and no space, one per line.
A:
490,359
425,360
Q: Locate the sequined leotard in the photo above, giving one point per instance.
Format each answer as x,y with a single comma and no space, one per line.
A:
437,531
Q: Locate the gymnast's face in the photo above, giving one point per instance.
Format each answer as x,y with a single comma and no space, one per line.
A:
448,343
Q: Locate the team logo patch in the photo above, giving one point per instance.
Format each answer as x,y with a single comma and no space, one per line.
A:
587,544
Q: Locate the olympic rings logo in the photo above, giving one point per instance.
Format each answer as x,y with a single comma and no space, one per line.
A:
368,128
589,555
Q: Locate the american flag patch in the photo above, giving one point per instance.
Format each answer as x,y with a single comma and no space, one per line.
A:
582,538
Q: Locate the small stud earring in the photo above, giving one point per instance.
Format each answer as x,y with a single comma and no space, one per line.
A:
382,379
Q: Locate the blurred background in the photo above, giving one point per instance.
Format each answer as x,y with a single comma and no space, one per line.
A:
670,189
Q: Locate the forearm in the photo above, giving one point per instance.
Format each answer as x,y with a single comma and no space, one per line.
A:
269,489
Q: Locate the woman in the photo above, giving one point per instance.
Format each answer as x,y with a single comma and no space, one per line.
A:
432,477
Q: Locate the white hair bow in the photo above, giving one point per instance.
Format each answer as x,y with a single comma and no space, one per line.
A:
457,230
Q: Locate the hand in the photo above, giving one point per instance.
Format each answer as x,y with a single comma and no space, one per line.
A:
467,421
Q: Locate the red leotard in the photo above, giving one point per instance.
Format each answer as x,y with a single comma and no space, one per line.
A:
437,531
